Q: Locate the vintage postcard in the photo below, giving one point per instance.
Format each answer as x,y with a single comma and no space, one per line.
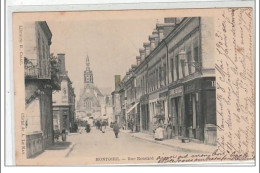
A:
134,87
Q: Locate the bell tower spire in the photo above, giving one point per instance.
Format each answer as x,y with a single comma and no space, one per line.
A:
88,75
87,63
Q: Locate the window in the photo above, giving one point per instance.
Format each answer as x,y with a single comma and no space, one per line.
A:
154,80
196,56
189,61
44,59
55,114
160,75
177,66
164,74
183,68
88,104
156,73
146,83
172,68
39,54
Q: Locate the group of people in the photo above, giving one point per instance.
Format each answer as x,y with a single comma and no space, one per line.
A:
101,125
160,127
57,135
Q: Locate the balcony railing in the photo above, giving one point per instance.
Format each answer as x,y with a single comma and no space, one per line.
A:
32,70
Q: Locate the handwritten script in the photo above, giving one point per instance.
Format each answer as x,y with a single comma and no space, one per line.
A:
235,83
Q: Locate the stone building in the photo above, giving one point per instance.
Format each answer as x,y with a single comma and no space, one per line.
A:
64,100
175,80
89,105
117,111
39,84
108,109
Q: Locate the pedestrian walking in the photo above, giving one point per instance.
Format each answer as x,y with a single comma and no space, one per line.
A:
159,132
116,129
98,125
131,124
103,126
87,128
63,135
76,127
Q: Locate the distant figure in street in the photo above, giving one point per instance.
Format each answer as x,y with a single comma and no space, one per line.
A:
103,126
116,129
76,127
98,125
87,127
159,133
63,135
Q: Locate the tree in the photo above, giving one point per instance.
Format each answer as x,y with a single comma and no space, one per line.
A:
55,76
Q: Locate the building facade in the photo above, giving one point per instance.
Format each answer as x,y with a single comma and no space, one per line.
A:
174,80
64,100
116,101
39,84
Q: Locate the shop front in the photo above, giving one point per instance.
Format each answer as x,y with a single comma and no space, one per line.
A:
177,111
154,110
161,117
145,115
200,110
163,103
133,117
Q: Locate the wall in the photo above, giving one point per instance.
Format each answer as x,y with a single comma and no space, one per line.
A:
61,97
207,42
32,110
34,144
47,117
30,44
33,116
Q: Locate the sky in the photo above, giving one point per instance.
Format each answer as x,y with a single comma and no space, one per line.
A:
111,44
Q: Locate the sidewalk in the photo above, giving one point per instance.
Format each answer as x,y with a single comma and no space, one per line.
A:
58,150
175,143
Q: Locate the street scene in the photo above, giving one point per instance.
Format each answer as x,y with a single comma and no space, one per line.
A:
123,92
100,145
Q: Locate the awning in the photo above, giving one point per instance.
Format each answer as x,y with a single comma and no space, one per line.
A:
129,110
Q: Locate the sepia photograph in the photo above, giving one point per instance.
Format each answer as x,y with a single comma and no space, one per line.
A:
134,87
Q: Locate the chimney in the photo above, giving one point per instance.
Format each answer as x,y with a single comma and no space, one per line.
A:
170,20
147,48
152,41
173,20
117,82
142,54
61,59
138,60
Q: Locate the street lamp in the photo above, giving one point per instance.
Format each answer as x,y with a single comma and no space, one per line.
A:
182,57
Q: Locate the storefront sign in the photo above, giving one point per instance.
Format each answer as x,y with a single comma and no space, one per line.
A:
192,86
154,96
209,83
176,91
163,95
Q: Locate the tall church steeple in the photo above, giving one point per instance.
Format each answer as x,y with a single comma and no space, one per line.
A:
88,75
